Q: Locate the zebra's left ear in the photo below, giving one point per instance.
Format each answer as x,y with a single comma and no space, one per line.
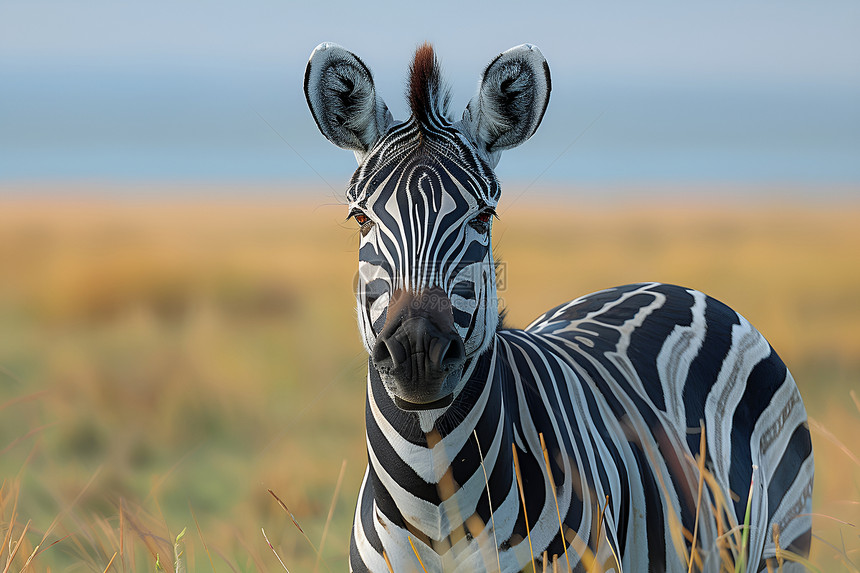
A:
510,103
342,98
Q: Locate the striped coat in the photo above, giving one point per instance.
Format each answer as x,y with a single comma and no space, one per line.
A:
629,429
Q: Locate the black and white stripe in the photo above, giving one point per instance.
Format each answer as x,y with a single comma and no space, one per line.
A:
619,383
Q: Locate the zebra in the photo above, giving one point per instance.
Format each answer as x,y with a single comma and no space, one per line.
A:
631,429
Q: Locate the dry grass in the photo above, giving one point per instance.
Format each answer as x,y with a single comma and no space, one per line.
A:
189,354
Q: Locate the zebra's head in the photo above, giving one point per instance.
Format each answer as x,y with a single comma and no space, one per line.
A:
424,197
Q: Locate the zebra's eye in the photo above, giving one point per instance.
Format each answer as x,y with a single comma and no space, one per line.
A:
363,220
481,222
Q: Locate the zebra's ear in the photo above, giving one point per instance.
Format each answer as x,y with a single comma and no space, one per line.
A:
511,100
342,98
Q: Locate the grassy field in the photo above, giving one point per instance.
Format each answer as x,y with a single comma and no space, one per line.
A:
165,362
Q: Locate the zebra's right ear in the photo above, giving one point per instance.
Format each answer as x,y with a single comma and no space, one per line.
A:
510,103
342,98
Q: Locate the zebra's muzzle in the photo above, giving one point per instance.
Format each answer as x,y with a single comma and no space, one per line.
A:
434,405
419,354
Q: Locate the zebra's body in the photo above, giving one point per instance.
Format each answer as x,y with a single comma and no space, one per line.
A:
619,384
587,376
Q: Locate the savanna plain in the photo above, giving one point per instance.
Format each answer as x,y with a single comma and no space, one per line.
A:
168,358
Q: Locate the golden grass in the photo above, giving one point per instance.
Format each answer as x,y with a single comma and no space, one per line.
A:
191,354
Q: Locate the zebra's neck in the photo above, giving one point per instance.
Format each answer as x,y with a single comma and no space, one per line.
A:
434,481
430,486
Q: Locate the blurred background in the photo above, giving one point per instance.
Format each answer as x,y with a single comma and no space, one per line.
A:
177,328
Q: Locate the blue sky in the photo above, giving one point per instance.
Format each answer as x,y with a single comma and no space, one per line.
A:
643,91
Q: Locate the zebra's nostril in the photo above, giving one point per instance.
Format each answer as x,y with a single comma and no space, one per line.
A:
398,352
436,349
454,354
388,351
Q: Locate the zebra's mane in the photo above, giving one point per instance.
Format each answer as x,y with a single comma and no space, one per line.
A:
428,97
